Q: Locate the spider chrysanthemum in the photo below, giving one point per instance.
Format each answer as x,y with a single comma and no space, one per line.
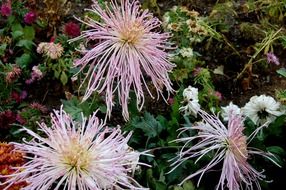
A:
76,156
127,50
229,146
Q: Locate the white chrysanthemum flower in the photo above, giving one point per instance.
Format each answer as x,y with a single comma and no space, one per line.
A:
191,99
187,52
229,109
191,93
262,109
77,156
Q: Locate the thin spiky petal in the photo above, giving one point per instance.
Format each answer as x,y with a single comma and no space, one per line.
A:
83,155
127,50
229,145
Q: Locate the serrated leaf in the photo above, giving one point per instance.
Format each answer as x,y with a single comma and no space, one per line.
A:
72,107
149,125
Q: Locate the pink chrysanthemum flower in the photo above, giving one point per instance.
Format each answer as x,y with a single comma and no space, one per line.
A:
229,146
82,155
127,50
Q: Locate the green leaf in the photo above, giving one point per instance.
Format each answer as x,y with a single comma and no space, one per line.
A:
10,20
149,125
64,78
29,33
16,27
2,49
57,74
24,60
276,150
16,34
282,72
103,108
72,107
279,154
28,44
188,185
153,183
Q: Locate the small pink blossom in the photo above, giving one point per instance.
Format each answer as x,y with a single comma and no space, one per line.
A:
30,17
128,49
229,145
36,75
171,101
218,95
272,58
23,95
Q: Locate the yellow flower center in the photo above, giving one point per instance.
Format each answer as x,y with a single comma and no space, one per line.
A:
132,33
76,156
238,146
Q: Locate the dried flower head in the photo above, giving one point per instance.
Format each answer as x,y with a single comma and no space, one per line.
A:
229,145
82,155
52,50
127,50
13,75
